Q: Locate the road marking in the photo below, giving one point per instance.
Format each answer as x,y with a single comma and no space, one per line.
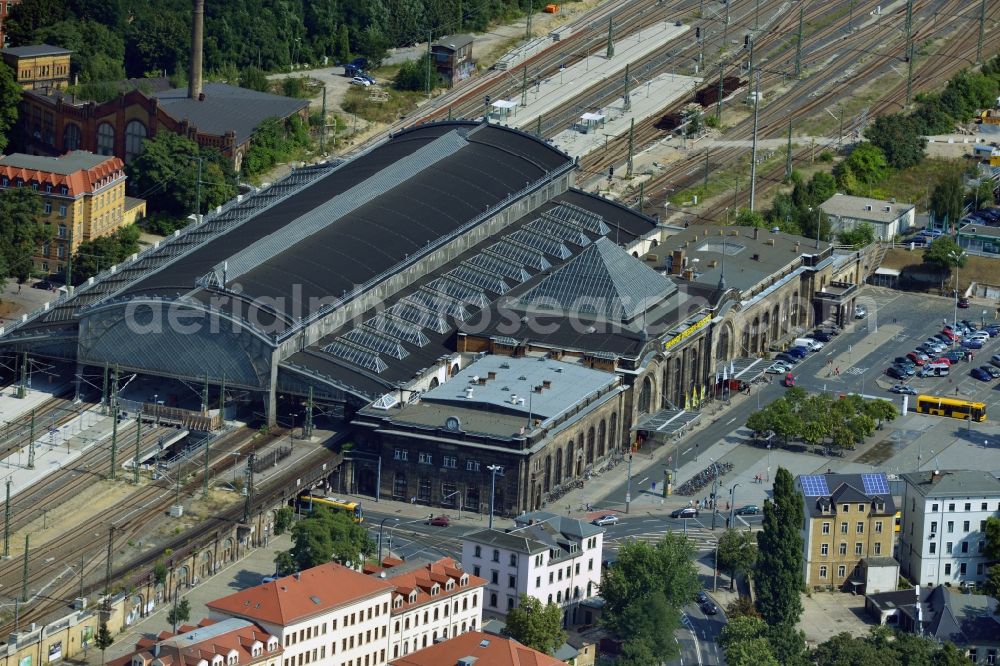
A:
731,420
644,481
697,647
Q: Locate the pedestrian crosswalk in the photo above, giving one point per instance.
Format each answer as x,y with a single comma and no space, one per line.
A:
702,537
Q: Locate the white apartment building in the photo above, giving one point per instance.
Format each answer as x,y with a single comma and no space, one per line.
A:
944,516
431,602
330,614
552,558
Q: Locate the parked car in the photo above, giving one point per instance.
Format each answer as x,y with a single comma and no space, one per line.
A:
788,359
980,374
747,510
918,358
789,380
43,284
360,81
993,330
860,312
895,372
440,521
903,389
994,371
684,512
943,359
701,597
820,335
972,344
902,360
963,302
955,355
777,368
951,334
800,352
607,519
982,336
995,360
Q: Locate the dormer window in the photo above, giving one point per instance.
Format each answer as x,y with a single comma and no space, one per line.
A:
450,585
138,661
232,659
397,602
464,580
413,596
435,589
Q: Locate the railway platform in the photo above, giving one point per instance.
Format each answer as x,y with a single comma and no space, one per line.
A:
547,94
12,407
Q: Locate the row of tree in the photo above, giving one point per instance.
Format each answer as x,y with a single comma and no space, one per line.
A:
841,421
136,37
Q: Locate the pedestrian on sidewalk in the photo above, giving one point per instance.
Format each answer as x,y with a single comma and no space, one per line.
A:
837,371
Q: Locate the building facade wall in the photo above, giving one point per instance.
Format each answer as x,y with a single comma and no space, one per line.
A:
43,72
836,543
421,626
942,539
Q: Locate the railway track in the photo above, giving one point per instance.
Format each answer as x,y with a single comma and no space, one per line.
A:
53,413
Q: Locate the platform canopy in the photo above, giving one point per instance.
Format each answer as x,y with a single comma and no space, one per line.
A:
593,117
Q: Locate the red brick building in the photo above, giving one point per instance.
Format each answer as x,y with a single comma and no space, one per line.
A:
5,6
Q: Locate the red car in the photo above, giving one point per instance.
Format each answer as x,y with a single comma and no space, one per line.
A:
918,359
789,380
440,521
945,360
950,334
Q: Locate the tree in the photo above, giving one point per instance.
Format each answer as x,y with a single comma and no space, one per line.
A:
741,606
948,198
899,138
821,187
179,613
10,98
103,252
413,75
778,571
647,620
750,218
744,641
20,230
737,553
992,539
31,15
537,626
880,410
283,519
944,254
284,563
858,237
254,78
643,569
103,639
159,573
326,536
165,173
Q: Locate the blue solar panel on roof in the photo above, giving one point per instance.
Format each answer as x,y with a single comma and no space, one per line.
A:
875,484
814,485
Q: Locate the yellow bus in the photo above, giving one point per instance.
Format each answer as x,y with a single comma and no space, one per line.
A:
307,502
956,409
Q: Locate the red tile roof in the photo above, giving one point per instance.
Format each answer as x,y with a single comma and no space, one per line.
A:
488,650
293,598
81,172
208,638
422,581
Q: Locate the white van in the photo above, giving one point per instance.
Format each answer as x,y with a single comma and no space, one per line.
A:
935,370
808,343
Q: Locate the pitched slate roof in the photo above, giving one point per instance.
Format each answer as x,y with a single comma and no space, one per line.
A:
192,644
954,483
80,171
484,649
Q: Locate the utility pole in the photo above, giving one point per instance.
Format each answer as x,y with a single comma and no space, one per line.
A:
718,102
611,38
204,396
642,195
715,488
850,18
107,568
982,22
756,16
114,424
104,388
753,156
428,86
538,127
198,191
222,399
628,487
24,570
22,389
322,133
307,428
750,63
69,260
788,157
909,49
31,442
6,523
249,501
798,44
207,447
628,100
138,441
524,88
840,135
527,32
725,28
706,179
631,132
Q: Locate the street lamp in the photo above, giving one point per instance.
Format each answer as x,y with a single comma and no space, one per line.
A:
768,478
957,258
732,505
381,526
715,487
494,470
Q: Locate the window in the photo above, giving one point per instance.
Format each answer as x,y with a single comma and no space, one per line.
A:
965,526
933,527
947,547
822,572
841,571
479,551
843,528
934,506
105,139
493,599
496,555
512,581
860,528
982,507
861,508
878,527
962,568
951,506
400,454
425,458
475,570
135,135
48,207
826,528
858,547
846,508
62,210
965,546
979,569
472,465
538,581
551,577
450,462
951,526
933,548
495,577
878,548
824,549
980,546
513,559
968,506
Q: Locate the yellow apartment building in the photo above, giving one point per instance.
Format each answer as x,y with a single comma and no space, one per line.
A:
83,197
39,66
848,518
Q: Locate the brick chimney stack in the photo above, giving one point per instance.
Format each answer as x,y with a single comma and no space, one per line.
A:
197,41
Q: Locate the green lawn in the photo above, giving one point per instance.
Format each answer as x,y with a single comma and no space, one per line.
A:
914,185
